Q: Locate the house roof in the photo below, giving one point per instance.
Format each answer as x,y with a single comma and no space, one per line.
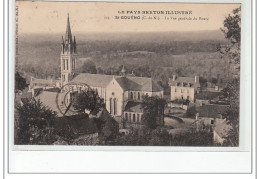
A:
185,81
212,111
207,95
221,127
43,82
132,106
94,80
127,83
49,99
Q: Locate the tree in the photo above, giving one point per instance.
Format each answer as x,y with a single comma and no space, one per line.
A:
214,81
89,67
194,138
88,100
231,92
20,82
191,111
156,137
232,31
35,123
203,80
153,111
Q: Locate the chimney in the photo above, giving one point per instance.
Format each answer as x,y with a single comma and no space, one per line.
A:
197,116
173,77
197,79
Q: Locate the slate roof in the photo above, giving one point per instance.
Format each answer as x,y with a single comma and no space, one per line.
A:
43,82
185,80
207,95
94,80
127,83
49,99
221,127
212,111
132,106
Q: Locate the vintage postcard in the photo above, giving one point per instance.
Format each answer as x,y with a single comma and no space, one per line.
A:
127,74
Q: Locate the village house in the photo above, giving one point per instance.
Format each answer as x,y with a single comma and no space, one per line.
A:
206,97
184,88
43,83
211,116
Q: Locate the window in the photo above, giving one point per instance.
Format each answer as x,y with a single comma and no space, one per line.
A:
129,117
138,118
131,95
126,116
115,107
212,121
133,117
63,62
111,106
138,96
113,93
67,64
74,64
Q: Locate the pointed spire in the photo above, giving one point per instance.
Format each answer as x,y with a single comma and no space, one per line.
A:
68,36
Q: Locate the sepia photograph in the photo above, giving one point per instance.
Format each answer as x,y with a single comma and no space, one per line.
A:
127,74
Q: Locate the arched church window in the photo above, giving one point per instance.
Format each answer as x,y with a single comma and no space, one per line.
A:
132,96
130,117
111,106
138,118
67,64
115,106
138,96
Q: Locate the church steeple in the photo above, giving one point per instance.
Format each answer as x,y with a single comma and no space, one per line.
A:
68,55
69,44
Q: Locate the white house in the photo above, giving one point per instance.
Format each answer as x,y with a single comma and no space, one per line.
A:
184,87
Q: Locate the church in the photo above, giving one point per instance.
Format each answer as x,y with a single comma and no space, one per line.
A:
122,94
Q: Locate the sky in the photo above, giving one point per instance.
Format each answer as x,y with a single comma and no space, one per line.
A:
51,17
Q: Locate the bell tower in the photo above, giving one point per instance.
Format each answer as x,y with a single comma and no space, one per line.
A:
68,55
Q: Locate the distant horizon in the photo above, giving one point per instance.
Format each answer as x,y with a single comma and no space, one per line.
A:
139,32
